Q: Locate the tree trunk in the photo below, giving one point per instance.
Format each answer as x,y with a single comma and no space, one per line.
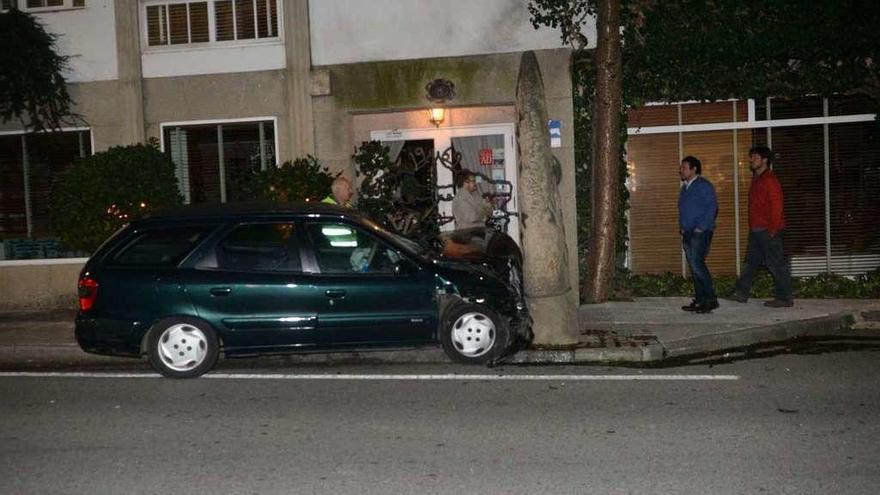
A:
601,255
549,296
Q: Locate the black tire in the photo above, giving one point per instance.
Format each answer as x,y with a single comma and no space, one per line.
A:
182,347
474,334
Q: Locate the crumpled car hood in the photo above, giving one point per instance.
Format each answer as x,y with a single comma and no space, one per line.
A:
481,245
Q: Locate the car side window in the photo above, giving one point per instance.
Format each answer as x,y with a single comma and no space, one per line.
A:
161,246
342,248
258,247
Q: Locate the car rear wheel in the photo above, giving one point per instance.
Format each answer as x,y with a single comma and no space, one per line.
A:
182,347
474,334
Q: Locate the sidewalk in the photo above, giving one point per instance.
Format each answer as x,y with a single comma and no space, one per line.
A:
645,330
655,328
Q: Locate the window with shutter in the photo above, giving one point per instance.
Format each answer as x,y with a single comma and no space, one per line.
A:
44,5
176,23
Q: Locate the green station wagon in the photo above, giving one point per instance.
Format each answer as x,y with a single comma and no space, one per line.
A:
184,286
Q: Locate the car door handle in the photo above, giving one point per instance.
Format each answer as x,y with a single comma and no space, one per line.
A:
220,291
335,293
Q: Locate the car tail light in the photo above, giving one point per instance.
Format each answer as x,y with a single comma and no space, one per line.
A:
88,290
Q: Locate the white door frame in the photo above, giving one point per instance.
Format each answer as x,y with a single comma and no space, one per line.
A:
442,138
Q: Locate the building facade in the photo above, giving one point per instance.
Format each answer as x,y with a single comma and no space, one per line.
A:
227,84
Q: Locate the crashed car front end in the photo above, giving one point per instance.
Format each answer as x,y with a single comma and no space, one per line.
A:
484,267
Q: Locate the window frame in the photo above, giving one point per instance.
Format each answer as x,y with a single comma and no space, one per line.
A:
167,23
28,190
756,121
66,5
165,146
212,27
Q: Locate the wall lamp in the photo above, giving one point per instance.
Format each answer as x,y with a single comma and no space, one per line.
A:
437,114
438,92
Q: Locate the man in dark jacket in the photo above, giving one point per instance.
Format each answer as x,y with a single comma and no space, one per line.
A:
697,209
766,224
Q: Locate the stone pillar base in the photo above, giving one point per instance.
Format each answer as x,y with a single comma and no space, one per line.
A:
555,319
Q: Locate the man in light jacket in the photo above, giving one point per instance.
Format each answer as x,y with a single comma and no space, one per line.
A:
468,207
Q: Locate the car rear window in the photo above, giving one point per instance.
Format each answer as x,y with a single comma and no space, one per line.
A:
162,246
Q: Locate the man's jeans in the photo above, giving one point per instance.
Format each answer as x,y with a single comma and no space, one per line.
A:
765,249
696,248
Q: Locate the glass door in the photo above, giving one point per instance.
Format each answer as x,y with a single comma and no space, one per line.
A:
487,150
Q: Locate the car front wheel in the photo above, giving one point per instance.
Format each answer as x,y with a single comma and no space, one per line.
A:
182,347
474,334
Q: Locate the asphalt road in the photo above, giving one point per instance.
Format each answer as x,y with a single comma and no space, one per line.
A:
798,424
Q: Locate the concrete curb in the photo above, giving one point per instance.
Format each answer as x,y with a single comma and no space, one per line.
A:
824,326
641,354
833,325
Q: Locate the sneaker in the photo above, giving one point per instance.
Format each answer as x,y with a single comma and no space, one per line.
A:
707,307
691,307
778,303
736,297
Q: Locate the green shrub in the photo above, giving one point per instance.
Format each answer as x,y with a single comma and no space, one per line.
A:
824,285
303,179
377,187
104,191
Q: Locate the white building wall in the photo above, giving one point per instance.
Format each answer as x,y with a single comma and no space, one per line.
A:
349,31
88,36
254,56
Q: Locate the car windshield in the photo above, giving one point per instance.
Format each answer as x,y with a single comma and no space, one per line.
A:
411,246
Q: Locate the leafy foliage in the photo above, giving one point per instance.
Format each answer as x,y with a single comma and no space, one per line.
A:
394,194
377,187
825,285
690,49
302,180
677,50
32,86
104,191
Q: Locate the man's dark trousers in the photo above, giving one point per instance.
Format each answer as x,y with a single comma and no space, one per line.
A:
765,249
696,248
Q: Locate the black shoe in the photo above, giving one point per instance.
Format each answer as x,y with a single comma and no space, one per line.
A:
707,307
736,297
691,307
778,303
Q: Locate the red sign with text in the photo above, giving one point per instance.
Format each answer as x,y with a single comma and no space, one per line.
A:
486,157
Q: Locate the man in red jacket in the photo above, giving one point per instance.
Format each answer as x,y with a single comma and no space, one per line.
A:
766,225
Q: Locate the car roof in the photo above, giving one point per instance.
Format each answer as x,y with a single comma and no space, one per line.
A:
244,210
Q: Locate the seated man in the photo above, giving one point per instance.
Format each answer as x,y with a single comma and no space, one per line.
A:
468,207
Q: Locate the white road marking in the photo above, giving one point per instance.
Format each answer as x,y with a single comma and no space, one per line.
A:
381,377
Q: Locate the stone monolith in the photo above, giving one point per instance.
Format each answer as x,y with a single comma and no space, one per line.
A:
549,295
